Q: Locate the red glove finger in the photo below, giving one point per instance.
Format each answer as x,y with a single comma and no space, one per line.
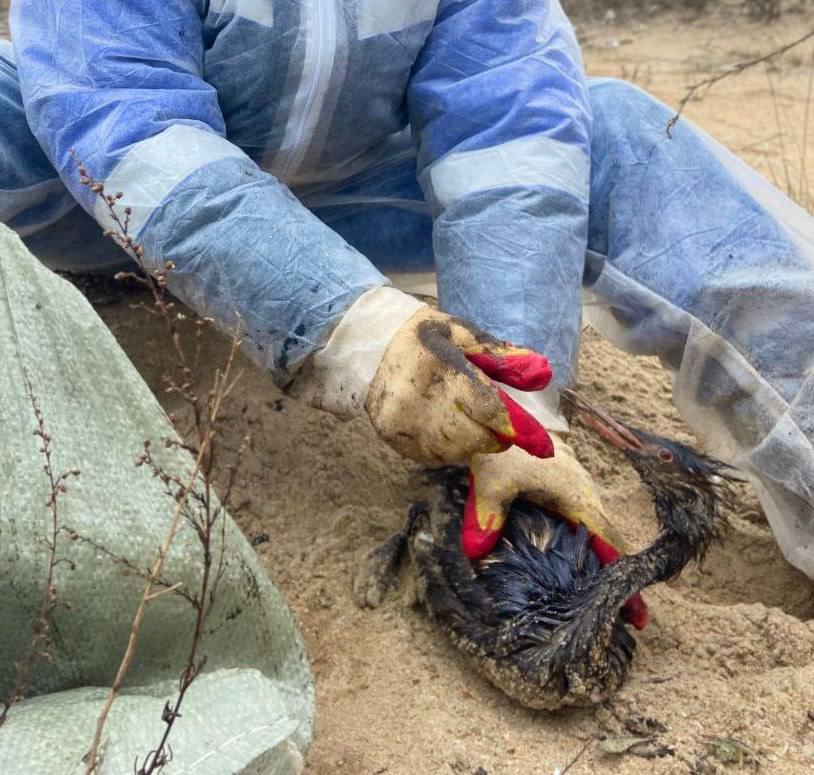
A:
516,366
636,612
524,430
482,524
483,518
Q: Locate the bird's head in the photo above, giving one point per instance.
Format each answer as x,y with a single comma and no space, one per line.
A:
687,486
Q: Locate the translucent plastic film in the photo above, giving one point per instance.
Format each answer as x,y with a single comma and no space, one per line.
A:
699,260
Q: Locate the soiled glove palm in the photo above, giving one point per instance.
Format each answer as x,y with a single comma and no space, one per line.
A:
431,402
559,484
424,378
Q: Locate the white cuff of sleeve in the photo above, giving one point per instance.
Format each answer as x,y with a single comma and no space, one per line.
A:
337,377
543,405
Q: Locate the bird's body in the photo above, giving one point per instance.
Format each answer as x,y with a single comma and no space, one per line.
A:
540,617
510,611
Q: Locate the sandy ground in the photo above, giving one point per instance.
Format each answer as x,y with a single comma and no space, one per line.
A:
730,652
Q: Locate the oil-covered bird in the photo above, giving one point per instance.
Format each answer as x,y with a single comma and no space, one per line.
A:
540,617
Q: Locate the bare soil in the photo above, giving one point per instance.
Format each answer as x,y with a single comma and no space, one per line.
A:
730,652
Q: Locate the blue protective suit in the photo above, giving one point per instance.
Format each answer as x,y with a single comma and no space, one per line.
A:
208,115
284,154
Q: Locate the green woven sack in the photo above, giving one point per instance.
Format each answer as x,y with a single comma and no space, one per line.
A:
251,710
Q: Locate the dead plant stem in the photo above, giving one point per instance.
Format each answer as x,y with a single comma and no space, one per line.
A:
735,69
223,386
205,422
781,134
42,625
802,186
135,629
577,757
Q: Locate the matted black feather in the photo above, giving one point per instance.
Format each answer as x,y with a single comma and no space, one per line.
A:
520,612
541,565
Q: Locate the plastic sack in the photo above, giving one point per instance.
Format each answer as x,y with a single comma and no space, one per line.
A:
251,710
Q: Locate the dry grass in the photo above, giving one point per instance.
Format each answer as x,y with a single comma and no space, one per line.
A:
791,174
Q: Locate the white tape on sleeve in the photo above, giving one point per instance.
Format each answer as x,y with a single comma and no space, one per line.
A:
535,160
376,17
152,168
259,11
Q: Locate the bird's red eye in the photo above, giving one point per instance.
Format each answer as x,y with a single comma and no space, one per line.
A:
665,456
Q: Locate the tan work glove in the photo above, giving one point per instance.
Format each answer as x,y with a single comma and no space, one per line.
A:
561,485
425,380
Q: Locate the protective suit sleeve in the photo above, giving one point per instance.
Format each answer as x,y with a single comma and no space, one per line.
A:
499,103
121,84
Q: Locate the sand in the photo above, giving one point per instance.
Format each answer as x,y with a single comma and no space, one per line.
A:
730,651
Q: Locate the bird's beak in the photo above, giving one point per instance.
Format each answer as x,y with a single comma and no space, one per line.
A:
611,430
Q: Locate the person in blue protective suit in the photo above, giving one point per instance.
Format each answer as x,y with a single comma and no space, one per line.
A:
287,156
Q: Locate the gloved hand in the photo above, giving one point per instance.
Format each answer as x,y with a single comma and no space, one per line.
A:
560,485
423,378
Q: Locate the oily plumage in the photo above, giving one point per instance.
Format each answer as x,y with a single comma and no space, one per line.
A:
511,611
539,617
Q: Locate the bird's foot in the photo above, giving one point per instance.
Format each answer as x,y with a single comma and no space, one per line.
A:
377,571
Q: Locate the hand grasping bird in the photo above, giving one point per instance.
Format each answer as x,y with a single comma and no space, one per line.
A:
540,616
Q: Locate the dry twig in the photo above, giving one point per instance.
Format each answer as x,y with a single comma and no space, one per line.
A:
579,754
802,186
736,69
41,638
129,566
193,493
